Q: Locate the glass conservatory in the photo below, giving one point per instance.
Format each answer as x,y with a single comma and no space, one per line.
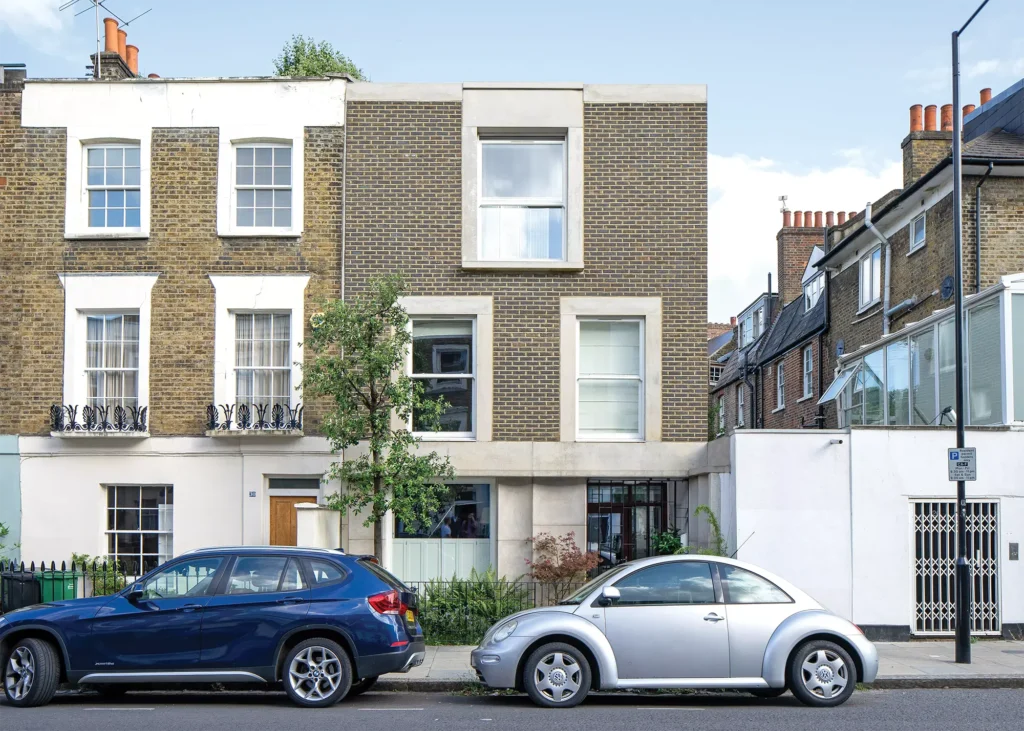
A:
909,378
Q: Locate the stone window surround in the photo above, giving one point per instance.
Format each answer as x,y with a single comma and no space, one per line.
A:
249,293
573,308
482,310
76,204
229,139
498,112
85,294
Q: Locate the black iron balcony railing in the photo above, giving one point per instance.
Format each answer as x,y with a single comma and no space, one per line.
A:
254,417
69,418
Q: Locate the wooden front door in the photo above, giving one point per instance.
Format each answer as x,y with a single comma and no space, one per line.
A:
282,518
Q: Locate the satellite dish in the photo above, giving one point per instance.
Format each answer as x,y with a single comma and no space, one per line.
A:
840,347
947,288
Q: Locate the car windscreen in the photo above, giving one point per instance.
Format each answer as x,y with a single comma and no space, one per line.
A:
584,591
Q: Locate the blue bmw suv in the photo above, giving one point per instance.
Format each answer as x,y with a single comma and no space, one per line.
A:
321,623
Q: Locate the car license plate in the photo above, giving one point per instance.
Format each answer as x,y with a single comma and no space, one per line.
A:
410,617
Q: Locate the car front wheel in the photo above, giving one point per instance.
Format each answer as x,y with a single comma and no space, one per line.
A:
31,673
317,673
822,674
557,675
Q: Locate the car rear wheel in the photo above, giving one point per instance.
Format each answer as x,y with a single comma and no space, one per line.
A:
822,674
361,686
557,675
317,673
31,673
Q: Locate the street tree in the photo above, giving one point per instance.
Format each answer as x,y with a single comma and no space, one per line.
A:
359,349
302,56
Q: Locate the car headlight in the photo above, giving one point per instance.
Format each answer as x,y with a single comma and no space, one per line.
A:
504,631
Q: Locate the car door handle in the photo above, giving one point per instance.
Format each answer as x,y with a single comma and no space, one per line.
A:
713,618
189,607
291,600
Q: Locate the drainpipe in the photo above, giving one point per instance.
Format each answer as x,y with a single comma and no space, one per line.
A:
888,260
977,228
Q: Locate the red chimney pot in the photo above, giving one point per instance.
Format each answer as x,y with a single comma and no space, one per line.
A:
929,118
841,217
808,218
122,41
817,219
110,35
830,219
916,125
787,219
798,218
947,117
133,59
986,95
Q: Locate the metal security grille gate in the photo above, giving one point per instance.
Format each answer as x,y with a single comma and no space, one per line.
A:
935,563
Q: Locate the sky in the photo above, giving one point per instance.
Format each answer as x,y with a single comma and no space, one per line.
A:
807,99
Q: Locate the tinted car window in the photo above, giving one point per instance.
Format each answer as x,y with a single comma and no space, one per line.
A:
324,572
384,575
678,582
292,579
256,575
743,587
187,578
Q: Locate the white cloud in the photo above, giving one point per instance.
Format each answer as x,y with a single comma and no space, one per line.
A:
38,23
743,216
980,68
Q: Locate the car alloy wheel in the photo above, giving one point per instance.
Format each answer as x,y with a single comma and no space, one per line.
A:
556,675
20,673
315,673
824,674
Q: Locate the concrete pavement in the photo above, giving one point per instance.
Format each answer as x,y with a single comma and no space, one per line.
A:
922,664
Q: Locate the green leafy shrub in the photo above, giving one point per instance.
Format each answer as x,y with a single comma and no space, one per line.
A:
666,543
103,576
459,611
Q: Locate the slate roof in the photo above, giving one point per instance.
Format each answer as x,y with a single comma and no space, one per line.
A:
792,328
996,144
717,343
731,372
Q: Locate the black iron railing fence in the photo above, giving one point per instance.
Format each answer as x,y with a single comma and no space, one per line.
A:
98,419
23,584
253,417
460,611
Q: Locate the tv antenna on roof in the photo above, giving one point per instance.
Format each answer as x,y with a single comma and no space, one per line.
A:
783,199
95,6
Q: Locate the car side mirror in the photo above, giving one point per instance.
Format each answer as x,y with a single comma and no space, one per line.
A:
609,595
134,593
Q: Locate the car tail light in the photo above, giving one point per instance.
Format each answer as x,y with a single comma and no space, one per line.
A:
390,602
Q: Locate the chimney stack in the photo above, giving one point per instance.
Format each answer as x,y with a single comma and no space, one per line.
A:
133,59
795,245
830,219
110,35
947,118
787,219
841,217
916,123
986,95
732,321
798,218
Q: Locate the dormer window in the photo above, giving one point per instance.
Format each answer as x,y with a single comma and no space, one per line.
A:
812,291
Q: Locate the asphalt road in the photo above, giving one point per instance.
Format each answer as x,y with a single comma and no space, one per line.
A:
928,710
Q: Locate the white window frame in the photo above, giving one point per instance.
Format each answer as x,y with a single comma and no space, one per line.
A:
741,407
469,435
254,293
721,415
236,187
232,138
913,228
161,557
291,403
865,263
712,370
123,187
813,290
480,309
637,436
109,369
757,322
617,308
807,360
483,202
76,196
86,294
780,386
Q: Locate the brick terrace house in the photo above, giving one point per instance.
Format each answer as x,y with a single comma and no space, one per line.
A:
165,241
890,285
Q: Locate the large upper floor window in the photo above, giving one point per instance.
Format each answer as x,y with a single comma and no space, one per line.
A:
263,186
112,360
522,199
812,291
113,184
263,368
444,362
870,278
610,379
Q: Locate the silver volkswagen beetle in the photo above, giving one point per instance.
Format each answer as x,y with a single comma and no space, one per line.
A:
679,622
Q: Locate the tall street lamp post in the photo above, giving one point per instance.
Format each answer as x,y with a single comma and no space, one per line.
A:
963,569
